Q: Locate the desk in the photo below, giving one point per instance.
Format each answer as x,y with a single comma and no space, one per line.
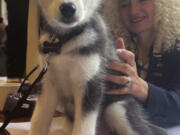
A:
22,128
23,125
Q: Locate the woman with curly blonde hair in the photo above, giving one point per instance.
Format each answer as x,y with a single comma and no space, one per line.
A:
150,30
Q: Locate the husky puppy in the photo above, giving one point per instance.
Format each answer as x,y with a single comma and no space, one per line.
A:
74,37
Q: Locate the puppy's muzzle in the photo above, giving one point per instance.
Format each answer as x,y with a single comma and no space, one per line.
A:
68,11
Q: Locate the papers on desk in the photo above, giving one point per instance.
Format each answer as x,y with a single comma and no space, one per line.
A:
3,79
22,128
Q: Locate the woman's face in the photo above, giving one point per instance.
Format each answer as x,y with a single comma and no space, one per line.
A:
137,15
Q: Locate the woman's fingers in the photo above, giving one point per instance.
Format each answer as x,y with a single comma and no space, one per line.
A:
124,90
122,80
121,91
122,67
120,43
127,56
124,54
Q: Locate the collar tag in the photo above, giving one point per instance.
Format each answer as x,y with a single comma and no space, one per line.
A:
53,47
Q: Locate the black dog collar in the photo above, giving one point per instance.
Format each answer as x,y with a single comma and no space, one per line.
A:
55,47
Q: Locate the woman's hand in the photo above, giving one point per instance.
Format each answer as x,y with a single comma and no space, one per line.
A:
133,83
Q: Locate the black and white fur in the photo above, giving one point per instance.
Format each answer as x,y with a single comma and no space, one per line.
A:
75,76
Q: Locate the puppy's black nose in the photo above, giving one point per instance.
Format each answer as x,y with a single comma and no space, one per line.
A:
68,10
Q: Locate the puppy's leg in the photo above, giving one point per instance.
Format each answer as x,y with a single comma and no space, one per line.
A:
61,126
44,110
84,122
115,116
87,105
67,127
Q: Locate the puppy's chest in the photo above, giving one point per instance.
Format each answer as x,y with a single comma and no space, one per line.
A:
71,73
77,58
74,66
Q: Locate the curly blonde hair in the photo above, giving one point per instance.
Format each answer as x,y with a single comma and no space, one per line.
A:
167,23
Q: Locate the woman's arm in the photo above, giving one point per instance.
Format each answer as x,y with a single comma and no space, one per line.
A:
163,106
